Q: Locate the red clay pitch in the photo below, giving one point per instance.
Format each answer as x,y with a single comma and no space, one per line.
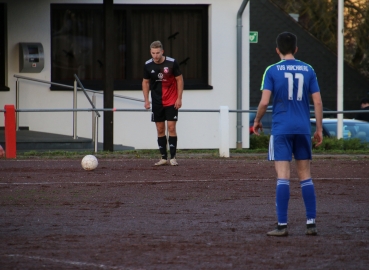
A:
202,214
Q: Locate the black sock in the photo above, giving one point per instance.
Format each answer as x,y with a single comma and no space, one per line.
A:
162,142
173,146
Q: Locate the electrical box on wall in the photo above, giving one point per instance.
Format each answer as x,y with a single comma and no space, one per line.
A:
31,57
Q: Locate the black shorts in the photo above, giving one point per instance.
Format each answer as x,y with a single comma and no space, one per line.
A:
161,114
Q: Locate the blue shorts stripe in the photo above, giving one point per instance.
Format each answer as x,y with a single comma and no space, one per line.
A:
271,148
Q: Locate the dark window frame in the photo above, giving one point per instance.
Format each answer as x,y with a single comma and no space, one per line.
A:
135,84
3,38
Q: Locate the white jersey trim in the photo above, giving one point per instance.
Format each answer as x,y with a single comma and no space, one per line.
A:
169,59
148,61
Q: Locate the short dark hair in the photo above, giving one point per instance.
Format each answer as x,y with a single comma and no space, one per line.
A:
364,101
286,43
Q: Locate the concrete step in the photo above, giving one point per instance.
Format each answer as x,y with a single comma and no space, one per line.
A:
28,140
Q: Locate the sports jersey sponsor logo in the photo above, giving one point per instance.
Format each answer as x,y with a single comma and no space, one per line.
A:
297,67
166,70
160,76
292,67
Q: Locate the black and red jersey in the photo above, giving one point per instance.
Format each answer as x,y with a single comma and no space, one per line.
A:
163,84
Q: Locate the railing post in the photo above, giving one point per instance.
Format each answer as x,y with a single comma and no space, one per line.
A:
96,131
75,112
10,132
224,131
93,116
17,104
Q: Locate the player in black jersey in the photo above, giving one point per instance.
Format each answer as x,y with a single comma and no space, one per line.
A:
163,77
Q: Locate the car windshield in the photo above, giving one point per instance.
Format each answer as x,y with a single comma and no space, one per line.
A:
350,130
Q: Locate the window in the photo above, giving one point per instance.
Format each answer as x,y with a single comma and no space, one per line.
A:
77,43
3,47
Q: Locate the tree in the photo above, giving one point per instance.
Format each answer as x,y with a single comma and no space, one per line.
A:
319,17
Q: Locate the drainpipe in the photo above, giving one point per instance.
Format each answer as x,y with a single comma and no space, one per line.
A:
239,72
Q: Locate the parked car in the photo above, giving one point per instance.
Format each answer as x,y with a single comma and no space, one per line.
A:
351,128
267,118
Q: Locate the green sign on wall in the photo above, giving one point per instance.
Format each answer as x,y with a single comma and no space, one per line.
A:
254,35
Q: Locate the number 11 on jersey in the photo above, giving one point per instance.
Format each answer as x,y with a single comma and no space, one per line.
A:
300,85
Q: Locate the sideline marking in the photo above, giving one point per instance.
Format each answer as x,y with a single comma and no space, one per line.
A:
65,261
170,181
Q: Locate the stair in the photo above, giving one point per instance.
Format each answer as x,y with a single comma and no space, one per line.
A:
28,140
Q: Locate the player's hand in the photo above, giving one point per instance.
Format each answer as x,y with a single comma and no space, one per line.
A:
178,104
257,126
318,138
147,105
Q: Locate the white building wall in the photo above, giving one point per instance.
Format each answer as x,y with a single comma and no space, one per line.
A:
29,21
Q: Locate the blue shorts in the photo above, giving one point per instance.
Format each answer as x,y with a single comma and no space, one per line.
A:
282,147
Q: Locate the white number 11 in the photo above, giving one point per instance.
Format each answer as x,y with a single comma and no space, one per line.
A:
300,79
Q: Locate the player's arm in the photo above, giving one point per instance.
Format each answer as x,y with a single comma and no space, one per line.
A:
318,109
263,105
146,90
180,83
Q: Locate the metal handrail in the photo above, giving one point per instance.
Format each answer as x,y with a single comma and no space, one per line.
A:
72,87
97,114
95,124
74,98
84,91
144,110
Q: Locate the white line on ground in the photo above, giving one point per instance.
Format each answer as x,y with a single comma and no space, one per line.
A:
102,266
167,181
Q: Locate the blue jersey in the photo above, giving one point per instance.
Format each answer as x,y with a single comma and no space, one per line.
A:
291,82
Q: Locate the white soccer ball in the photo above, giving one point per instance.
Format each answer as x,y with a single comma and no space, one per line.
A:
89,162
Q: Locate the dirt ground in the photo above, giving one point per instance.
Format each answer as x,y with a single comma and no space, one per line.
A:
207,213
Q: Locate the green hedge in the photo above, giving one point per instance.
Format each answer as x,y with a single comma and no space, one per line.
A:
329,143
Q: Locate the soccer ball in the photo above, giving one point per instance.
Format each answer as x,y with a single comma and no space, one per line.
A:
89,162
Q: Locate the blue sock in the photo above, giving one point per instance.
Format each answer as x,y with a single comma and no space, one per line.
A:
281,201
308,194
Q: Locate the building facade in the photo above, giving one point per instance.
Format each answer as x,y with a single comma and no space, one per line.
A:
201,36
